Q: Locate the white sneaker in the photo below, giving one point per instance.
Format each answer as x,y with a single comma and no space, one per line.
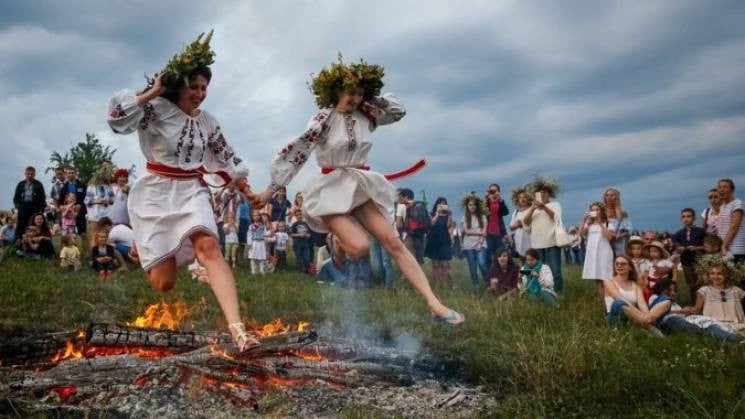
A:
198,272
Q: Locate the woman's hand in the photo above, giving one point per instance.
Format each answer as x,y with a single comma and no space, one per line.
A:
156,90
259,201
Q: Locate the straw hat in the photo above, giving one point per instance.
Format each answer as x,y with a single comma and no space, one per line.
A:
665,254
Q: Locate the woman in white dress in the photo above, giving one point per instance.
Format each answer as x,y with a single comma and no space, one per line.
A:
521,233
169,205
598,265
98,199
346,198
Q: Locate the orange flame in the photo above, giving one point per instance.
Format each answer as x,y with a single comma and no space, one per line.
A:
64,392
162,315
70,351
276,327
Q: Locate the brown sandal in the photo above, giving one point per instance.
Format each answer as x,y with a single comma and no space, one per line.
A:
242,339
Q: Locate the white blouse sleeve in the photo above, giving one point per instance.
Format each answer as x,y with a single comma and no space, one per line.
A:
220,156
546,278
293,156
126,115
388,109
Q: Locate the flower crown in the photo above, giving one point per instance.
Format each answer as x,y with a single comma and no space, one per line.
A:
515,194
479,203
706,262
342,76
540,182
195,55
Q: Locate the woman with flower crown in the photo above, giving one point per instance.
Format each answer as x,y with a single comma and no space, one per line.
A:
169,205
347,198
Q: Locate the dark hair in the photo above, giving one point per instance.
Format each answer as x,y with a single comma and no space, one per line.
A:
729,181
438,201
407,193
44,227
172,92
690,210
479,212
713,239
532,253
497,185
30,168
105,222
663,285
632,270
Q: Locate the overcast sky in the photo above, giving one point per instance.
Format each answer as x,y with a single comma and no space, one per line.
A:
647,97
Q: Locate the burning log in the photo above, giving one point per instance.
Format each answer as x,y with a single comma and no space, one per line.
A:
121,335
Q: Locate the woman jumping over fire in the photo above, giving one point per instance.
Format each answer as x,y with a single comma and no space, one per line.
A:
169,206
347,198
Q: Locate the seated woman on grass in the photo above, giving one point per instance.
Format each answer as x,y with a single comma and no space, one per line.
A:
718,310
537,279
624,297
503,274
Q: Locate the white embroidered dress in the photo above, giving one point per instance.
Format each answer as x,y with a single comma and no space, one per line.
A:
165,212
341,141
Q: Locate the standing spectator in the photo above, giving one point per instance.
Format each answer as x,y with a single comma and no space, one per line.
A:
56,192
542,218
598,264
99,197
75,186
689,243
649,236
69,215
280,244
279,206
496,209
710,216
521,235
120,189
29,198
474,248
226,202
297,205
618,218
731,227
244,220
439,245
230,227
302,244
417,224
257,232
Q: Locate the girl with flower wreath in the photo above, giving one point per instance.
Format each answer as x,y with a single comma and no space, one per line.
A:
347,198
169,205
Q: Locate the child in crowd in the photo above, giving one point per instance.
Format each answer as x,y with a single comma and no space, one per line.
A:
660,266
302,244
635,250
70,254
69,214
280,244
537,279
257,234
230,227
8,232
503,274
712,244
102,255
30,243
689,244
598,265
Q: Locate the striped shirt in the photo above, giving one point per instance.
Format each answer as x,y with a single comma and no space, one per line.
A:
737,245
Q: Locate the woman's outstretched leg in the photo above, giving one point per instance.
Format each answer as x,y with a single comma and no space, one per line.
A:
376,224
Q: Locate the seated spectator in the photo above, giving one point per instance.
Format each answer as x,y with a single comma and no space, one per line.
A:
537,279
718,310
689,243
8,232
46,247
70,254
331,266
660,266
503,274
30,243
122,238
624,297
635,250
103,256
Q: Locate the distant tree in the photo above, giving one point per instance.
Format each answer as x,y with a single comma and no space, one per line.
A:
84,156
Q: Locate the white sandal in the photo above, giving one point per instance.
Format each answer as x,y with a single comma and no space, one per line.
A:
243,340
198,272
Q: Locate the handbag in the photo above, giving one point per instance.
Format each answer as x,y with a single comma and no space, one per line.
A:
563,239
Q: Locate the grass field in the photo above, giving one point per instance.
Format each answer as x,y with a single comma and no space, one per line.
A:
539,361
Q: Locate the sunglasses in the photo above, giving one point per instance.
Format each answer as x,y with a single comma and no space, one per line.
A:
621,263
723,295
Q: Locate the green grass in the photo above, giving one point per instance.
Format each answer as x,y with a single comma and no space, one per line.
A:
539,361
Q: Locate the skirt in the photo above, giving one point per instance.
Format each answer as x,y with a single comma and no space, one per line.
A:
164,214
343,190
258,250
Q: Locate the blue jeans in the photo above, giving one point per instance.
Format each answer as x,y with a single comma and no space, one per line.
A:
673,322
303,255
493,243
123,250
358,272
382,261
552,257
329,272
616,314
477,258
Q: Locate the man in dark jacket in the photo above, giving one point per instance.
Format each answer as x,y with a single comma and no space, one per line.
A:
28,199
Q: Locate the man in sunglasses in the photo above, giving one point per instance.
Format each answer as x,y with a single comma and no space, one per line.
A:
496,233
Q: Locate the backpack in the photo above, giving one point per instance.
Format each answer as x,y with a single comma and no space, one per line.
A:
417,219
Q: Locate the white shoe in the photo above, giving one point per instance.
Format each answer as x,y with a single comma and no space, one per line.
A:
198,272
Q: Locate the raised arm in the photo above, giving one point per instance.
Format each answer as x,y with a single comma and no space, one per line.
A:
129,111
386,109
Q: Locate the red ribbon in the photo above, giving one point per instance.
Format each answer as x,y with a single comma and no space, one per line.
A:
391,176
178,173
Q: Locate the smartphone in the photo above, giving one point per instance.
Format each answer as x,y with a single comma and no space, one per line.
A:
525,271
538,197
593,214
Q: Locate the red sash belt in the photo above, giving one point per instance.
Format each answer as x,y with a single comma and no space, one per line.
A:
182,174
391,176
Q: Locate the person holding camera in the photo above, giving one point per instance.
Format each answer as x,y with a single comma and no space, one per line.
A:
496,232
439,244
598,264
542,217
537,279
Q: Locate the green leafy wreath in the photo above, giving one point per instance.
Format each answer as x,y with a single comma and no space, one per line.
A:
195,55
341,76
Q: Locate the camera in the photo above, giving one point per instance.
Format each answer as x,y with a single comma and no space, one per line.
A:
592,214
525,271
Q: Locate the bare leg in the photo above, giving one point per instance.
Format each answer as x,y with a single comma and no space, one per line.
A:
222,282
163,275
636,316
369,215
601,292
92,237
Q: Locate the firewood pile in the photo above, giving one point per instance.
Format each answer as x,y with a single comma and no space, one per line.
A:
115,370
